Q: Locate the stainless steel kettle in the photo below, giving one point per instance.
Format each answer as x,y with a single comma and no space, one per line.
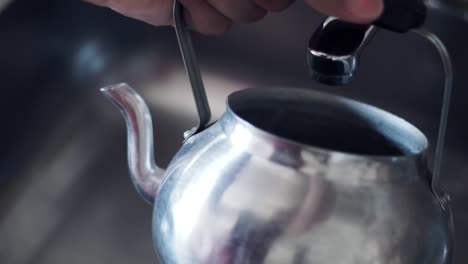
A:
288,175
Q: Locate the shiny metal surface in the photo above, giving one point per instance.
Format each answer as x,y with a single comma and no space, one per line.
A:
446,103
65,194
146,176
192,68
292,188
334,50
333,53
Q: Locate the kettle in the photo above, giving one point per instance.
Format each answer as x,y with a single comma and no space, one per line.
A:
288,175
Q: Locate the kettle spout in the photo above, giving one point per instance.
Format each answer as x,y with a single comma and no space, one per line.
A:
145,174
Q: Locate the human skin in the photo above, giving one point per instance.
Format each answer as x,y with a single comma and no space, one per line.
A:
216,16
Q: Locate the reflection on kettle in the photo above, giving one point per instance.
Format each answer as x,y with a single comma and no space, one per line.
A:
295,176
290,176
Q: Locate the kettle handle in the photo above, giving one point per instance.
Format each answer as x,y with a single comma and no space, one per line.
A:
403,16
441,196
203,108
193,71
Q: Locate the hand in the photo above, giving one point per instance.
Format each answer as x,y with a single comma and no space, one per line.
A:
216,16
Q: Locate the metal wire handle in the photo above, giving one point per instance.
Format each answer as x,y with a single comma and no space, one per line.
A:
204,113
193,71
439,153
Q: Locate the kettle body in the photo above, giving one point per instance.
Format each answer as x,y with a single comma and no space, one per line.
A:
291,176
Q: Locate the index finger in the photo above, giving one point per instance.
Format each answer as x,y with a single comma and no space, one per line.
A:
155,12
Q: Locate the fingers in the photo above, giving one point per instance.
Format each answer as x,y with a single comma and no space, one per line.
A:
156,12
241,11
216,16
274,5
246,11
204,18
359,11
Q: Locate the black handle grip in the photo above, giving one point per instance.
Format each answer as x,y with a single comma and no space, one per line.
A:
402,15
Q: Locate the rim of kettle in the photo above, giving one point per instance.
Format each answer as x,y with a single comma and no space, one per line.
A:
400,132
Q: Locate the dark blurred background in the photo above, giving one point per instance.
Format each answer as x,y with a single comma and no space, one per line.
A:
65,196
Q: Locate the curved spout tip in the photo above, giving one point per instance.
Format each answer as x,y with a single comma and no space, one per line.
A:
116,91
145,175
113,87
